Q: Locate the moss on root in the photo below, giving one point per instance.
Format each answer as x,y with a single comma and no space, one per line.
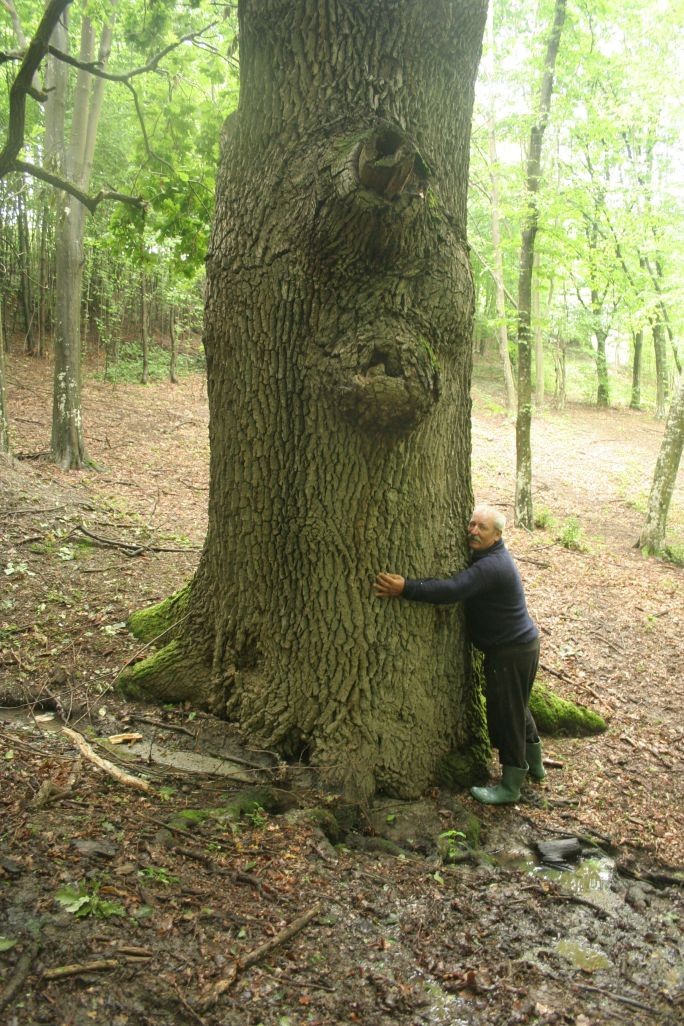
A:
158,621
166,676
555,715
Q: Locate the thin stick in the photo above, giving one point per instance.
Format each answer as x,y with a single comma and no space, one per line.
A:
618,997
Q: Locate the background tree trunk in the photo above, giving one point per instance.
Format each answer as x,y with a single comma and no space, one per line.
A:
660,351
173,374
144,329
652,536
68,441
338,342
495,206
4,423
524,515
635,400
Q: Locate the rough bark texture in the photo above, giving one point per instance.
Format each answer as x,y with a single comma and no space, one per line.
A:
338,327
652,536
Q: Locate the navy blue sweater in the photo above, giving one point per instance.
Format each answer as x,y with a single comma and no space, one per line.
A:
493,595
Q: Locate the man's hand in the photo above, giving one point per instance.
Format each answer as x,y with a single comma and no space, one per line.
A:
388,585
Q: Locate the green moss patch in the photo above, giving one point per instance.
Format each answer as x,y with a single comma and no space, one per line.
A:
159,620
557,716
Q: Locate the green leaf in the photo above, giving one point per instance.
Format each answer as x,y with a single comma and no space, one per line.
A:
6,943
73,900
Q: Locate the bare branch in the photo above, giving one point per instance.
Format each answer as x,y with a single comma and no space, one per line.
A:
94,69
90,202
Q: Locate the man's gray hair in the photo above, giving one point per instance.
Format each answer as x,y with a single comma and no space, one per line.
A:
498,519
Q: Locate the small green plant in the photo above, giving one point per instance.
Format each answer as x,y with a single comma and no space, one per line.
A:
673,554
572,535
256,815
543,518
159,874
82,902
452,845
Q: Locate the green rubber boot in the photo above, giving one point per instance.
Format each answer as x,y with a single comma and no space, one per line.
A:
533,754
504,793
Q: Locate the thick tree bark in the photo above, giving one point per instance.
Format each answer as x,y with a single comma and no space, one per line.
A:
524,515
652,535
338,343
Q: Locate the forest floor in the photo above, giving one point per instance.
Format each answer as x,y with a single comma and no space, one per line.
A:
119,906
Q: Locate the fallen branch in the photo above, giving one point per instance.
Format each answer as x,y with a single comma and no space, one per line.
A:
133,549
107,767
76,968
254,956
20,973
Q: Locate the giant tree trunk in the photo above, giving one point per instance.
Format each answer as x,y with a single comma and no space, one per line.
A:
338,329
652,535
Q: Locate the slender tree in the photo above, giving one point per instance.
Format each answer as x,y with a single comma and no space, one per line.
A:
338,344
524,515
495,209
652,535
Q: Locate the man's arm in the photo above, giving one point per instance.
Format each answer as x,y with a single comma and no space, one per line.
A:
436,591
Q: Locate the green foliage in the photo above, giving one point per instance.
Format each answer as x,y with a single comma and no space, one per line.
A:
158,874
127,366
572,535
83,901
543,517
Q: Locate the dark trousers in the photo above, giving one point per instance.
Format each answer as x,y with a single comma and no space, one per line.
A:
509,676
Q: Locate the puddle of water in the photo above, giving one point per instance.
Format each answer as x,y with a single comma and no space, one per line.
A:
589,878
189,762
582,956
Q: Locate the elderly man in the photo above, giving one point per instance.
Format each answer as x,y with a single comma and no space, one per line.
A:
500,626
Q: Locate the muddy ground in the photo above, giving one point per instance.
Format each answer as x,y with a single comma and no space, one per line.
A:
117,906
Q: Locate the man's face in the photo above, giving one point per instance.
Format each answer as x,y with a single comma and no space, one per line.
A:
481,532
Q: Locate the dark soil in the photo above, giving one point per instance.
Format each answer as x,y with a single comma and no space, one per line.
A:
260,913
